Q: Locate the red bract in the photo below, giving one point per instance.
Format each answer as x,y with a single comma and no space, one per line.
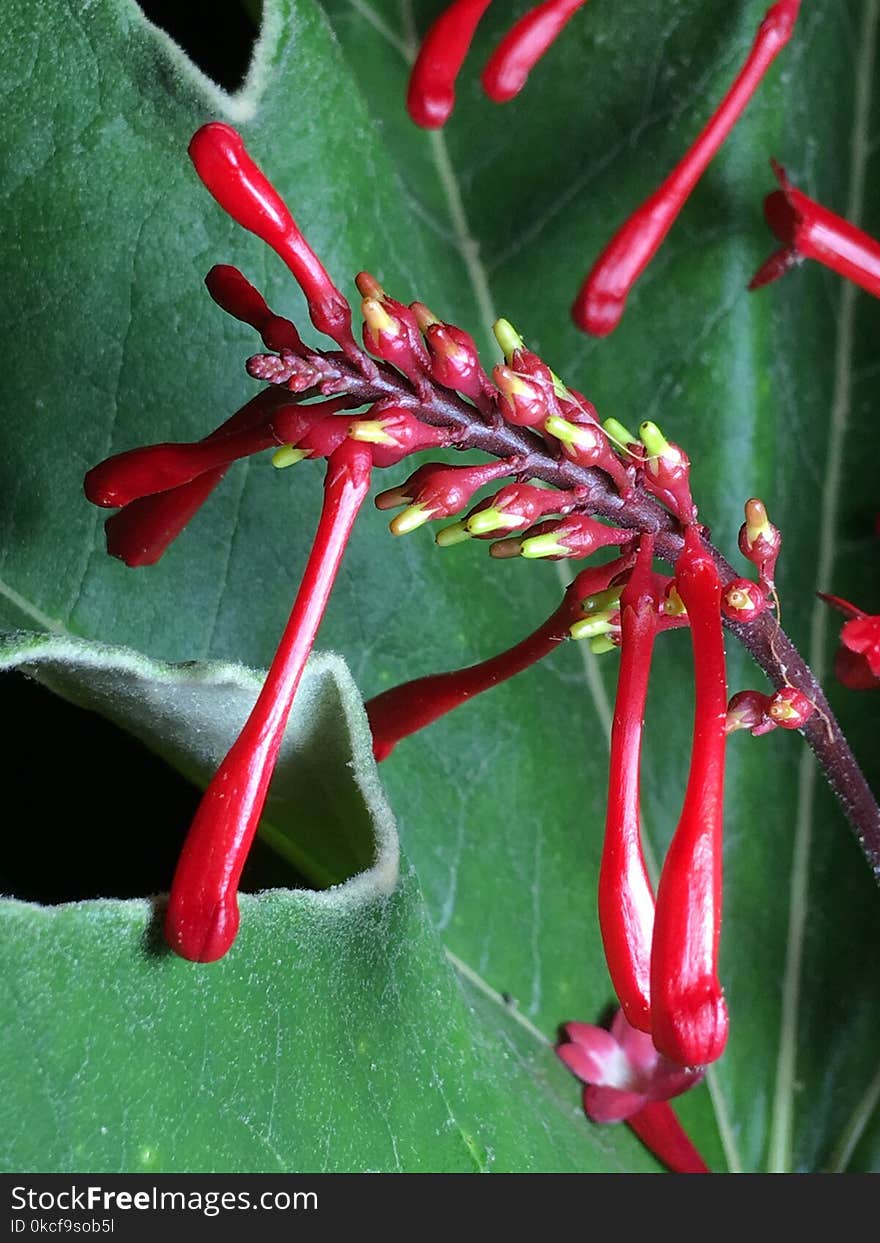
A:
628,1080
602,299
811,231
857,663
202,918
509,66
688,1011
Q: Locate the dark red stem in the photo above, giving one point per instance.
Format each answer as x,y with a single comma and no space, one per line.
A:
202,918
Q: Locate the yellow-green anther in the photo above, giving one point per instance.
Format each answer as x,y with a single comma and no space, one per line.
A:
507,337
413,517
591,627
455,534
488,520
371,432
602,644
602,600
546,545
378,319
620,435
653,439
673,605
287,455
559,387
562,429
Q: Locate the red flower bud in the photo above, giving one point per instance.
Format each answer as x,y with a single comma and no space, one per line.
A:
577,535
395,433
743,601
790,708
760,542
238,297
439,491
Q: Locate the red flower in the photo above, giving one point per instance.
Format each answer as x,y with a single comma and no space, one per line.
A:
857,663
629,1081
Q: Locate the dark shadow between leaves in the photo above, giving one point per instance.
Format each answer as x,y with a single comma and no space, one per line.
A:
100,815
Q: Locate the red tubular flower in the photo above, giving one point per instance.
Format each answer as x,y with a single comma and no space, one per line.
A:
403,710
202,918
626,899
857,663
224,166
234,294
431,94
811,231
628,1080
523,46
688,1011
602,299
141,532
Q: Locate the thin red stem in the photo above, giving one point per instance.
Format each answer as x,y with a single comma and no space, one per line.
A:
688,1011
509,66
202,918
660,1131
626,898
602,299
431,94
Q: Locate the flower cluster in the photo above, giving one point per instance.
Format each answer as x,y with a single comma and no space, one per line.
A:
419,385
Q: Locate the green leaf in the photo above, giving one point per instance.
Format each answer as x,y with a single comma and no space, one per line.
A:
113,344
336,1034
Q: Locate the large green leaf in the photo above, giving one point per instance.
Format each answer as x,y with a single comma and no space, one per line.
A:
500,806
333,1036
